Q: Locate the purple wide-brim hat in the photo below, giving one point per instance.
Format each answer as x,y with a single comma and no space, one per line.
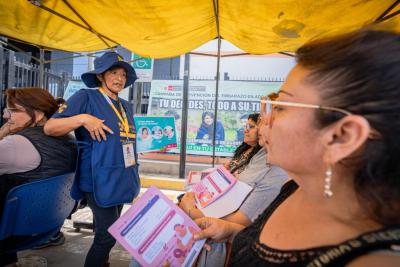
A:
104,63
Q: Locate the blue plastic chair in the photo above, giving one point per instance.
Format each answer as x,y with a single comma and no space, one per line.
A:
37,209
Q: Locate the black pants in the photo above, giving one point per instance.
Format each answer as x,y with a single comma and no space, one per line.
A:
8,258
103,242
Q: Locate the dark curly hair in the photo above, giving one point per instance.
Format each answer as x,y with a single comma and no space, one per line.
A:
360,72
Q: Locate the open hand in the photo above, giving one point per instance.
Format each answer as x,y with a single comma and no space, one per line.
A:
96,127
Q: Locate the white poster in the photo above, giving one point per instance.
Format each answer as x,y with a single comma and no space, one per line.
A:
236,101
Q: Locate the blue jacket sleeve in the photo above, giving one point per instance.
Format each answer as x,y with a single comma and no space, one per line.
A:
76,104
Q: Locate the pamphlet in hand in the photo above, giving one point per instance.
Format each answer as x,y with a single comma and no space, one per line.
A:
213,186
194,177
154,133
156,232
229,202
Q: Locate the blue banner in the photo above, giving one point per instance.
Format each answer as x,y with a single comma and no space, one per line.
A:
155,133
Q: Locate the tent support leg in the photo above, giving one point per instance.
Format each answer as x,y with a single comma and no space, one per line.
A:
216,13
185,100
42,6
87,24
41,68
384,15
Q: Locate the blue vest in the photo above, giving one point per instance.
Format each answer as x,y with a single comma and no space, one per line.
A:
113,184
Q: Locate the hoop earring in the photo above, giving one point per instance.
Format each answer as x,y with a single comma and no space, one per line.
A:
328,183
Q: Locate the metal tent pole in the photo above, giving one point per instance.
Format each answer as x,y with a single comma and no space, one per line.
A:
87,27
216,12
385,15
185,100
41,68
2,81
216,99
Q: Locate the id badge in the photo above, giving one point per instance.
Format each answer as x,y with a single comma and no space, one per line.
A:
129,154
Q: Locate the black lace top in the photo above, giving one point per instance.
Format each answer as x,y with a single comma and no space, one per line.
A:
248,251
238,163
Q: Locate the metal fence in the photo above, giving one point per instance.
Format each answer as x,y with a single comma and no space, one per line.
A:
15,72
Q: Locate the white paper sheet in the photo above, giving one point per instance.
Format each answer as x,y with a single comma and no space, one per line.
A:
229,202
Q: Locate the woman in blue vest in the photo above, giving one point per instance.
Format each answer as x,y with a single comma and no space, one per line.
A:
107,174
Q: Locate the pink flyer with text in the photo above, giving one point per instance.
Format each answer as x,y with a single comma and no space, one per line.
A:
213,186
156,232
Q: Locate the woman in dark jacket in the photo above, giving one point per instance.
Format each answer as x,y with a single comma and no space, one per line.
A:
27,154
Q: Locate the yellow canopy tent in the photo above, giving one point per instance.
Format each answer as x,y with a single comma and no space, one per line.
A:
159,28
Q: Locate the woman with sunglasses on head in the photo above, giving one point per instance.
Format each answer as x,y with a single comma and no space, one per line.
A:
26,153
107,173
334,128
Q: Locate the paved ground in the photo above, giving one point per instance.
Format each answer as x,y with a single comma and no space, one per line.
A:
72,253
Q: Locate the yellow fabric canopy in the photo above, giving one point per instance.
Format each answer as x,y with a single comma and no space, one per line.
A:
160,28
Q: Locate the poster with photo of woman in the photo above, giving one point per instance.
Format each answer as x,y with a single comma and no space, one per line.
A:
155,133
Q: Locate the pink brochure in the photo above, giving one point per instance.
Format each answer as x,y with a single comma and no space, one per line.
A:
213,186
196,176
157,232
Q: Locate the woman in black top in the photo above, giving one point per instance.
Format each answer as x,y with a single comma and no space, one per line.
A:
334,128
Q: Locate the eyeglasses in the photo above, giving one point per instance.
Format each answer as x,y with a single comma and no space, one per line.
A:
249,126
273,104
264,109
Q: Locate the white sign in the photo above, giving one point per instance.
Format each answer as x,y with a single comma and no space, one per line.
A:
75,86
143,68
237,100
72,88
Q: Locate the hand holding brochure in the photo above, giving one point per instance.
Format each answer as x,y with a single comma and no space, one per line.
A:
229,202
213,186
194,177
156,232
